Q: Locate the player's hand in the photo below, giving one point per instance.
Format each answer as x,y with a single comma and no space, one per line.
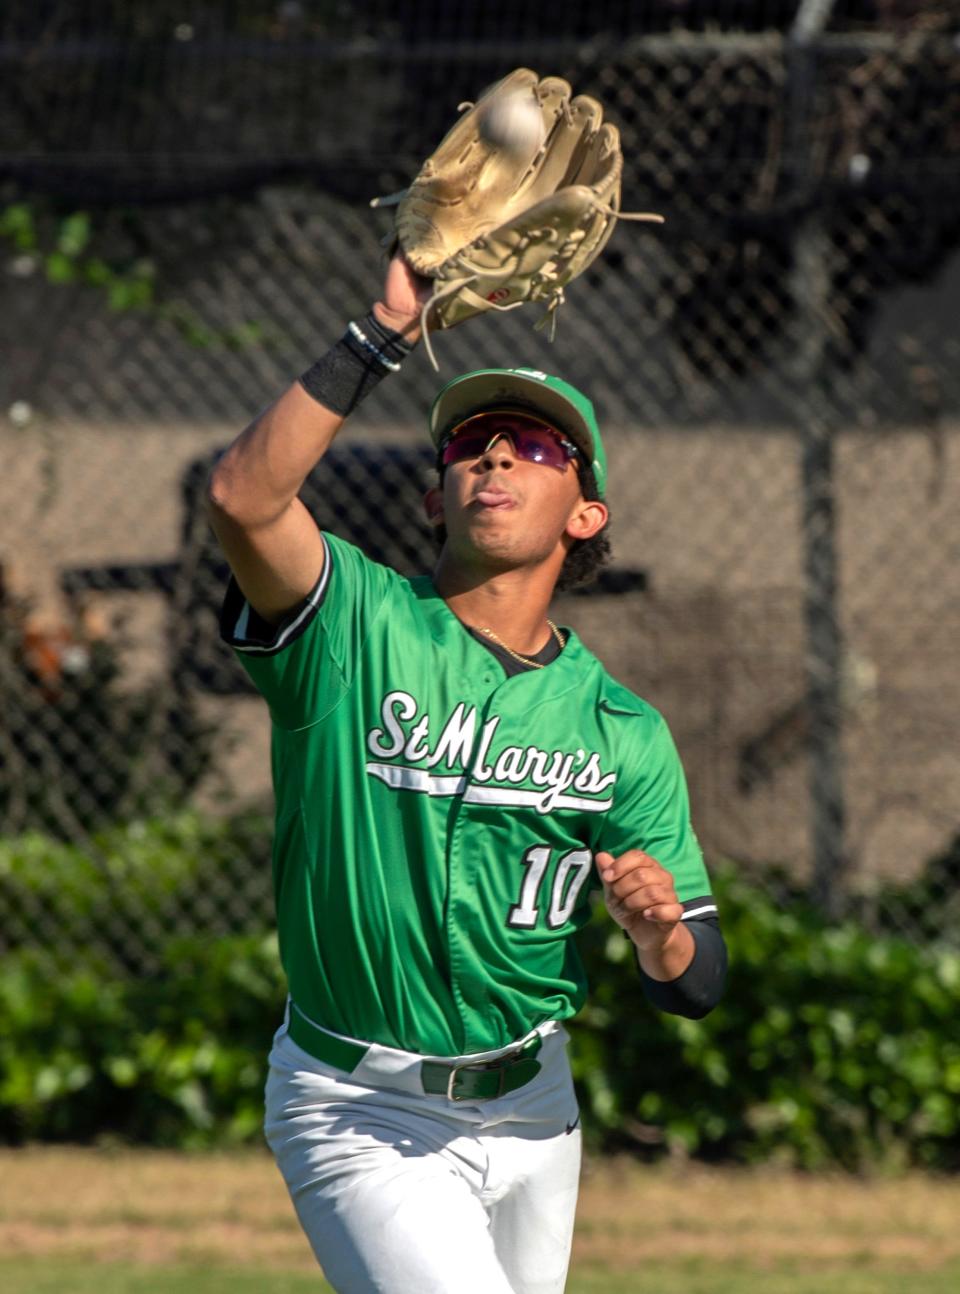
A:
404,294
640,896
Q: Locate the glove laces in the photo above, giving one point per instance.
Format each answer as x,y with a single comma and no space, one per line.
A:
546,278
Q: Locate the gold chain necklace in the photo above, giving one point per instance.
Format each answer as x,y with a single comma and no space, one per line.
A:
524,660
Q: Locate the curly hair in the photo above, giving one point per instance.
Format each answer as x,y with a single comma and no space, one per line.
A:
586,556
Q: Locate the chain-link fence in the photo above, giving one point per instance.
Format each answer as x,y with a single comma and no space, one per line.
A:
777,371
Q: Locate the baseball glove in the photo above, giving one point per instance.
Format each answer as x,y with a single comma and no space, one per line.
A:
500,216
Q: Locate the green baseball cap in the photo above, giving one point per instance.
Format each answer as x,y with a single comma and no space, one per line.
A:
556,401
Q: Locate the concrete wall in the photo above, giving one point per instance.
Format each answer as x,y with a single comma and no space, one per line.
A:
716,642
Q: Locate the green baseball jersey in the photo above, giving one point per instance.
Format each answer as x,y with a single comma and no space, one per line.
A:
437,819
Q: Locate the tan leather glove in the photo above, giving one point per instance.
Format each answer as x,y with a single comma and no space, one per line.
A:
497,219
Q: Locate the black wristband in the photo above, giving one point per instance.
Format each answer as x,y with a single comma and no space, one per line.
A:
349,371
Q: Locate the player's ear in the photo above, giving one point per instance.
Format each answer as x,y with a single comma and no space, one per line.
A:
433,506
587,519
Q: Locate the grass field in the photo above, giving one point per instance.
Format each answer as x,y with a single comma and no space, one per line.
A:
85,1222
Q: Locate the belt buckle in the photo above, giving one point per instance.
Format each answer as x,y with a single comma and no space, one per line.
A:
499,1065
454,1071
451,1094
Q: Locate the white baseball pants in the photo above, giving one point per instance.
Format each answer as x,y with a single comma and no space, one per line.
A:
400,1192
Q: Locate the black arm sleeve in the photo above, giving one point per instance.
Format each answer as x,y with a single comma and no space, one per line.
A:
697,991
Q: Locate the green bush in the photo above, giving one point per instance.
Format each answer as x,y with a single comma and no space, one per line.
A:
176,1059
830,1047
128,887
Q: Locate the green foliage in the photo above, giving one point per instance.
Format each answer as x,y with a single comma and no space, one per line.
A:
830,1047
18,227
70,248
193,330
125,889
174,1059
60,243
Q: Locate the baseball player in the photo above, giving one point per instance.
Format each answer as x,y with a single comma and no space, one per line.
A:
454,774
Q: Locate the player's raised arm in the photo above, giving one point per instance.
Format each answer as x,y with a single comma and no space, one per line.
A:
270,540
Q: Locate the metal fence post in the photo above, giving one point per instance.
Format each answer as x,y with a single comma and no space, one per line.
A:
823,658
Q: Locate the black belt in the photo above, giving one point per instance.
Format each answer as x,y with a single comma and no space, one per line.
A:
477,1080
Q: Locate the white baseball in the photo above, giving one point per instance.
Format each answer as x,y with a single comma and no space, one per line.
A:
513,123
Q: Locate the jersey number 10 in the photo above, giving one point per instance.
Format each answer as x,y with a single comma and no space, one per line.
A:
571,871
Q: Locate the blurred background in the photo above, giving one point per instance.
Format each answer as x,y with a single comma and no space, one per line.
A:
185,225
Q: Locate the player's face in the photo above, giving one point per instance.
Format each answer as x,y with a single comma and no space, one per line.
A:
512,497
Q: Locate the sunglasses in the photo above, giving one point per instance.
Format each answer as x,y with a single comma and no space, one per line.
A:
533,440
